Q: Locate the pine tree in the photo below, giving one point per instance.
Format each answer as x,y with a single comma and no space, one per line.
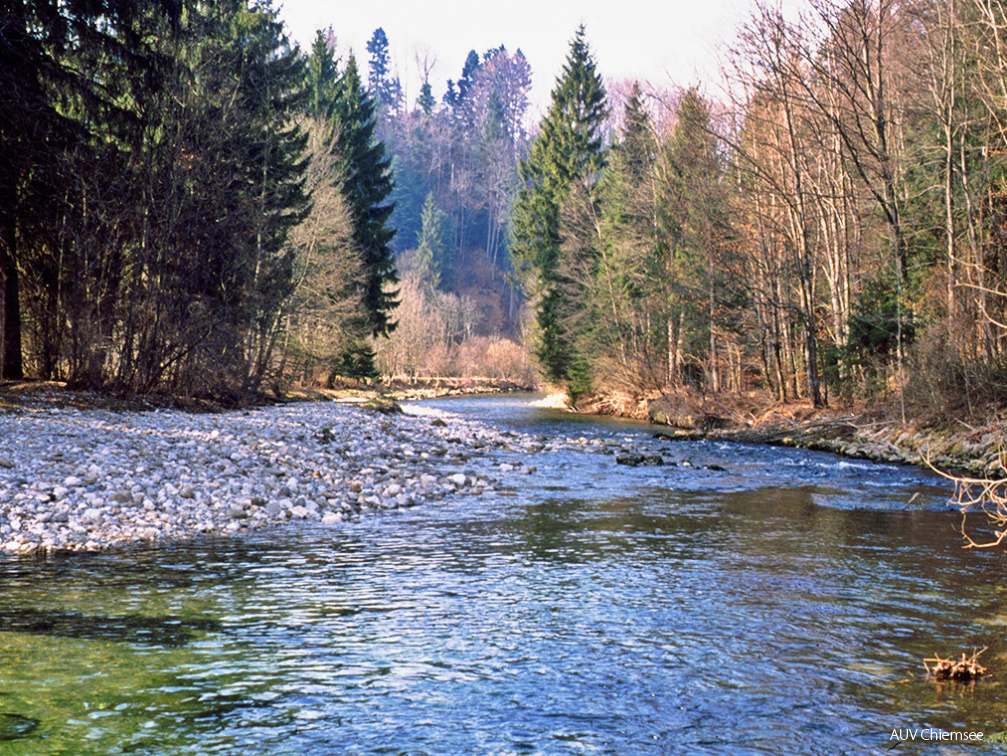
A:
328,325
321,75
469,71
270,85
64,70
383,87
627,278
377,46
568,149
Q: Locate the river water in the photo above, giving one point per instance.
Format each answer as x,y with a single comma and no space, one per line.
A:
782,605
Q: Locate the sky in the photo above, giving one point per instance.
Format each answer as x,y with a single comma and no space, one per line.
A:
665,42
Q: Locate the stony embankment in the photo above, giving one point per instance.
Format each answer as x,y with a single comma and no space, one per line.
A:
970,452
88,479
962,450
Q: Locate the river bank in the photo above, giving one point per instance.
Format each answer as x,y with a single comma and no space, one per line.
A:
949,445
80,472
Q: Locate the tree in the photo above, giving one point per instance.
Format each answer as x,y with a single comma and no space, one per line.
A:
568,149
430,247
774,153
633,273
325,316
426,100
367,186
383,87
64,70
321,75
695,178
272,93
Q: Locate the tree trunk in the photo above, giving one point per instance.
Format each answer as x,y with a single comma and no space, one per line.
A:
11,365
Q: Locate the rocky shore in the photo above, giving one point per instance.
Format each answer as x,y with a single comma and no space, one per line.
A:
85,478
963,451
952,446
975,453
90,479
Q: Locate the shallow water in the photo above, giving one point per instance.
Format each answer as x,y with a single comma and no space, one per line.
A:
782,606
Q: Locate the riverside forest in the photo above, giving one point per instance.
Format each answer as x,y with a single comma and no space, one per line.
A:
192,204
716,319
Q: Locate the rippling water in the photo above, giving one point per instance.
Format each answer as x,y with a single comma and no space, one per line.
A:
780,607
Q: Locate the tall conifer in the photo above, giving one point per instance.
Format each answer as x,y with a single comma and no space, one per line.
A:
568,149
367,186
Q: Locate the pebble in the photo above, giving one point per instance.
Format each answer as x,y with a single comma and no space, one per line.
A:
92,479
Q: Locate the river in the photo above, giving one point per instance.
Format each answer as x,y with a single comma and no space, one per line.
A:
780,605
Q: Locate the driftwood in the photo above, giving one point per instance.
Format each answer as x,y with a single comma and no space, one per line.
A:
965,669
985,494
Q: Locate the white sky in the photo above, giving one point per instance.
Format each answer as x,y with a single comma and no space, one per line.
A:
665,42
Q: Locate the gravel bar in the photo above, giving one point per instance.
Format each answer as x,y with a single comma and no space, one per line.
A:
84,479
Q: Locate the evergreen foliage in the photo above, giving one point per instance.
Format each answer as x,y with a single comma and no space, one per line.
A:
384,88
155,225
66,73
569,149
367,187
426,101
430,248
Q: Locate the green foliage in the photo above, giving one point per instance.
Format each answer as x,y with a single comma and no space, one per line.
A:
162,140
628,287
69,72
357,361
426,99
878,320
322,76
431,248
568,149
368,184
383,88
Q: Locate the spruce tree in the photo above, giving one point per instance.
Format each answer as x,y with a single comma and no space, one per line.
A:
430,248
699,212
383,87
68,74
630,237
568,149
322,76
269,79
426,99
367,186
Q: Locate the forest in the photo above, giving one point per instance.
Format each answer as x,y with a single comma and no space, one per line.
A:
191,203
831,228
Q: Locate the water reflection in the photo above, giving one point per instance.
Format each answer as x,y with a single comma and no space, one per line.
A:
15,727
156,631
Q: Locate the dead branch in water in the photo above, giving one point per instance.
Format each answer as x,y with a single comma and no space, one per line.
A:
962,670
985,494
